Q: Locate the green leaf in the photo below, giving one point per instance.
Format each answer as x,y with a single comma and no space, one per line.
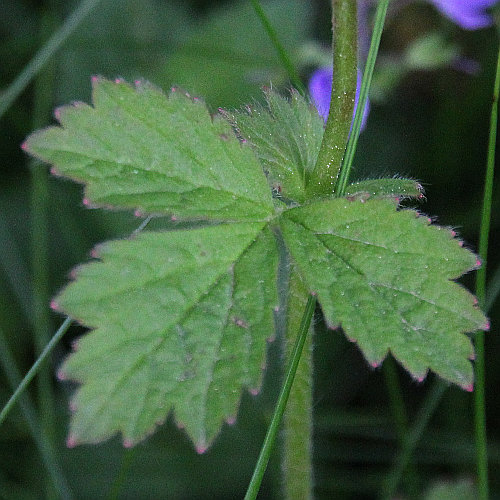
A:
385,276
286,137
395,188
136,148
181,320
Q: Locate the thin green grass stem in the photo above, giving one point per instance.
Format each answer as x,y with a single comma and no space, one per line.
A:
45,53
34,369
44,445
413,436
260,468
324,177
297,435
479,392
42,106
293,74
127,460
400,417
352,143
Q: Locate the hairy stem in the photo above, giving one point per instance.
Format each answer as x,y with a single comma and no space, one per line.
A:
298,419
344,45
260,468
345,171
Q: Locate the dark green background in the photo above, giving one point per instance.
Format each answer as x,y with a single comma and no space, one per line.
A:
430,124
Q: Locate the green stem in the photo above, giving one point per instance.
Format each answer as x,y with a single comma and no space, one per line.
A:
479,393
293,74
363,95
260,468
344,45
45,53
44,445
42,106
34,369
297,466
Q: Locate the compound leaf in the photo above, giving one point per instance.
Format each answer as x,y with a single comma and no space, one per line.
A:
388,283
136,148
181,320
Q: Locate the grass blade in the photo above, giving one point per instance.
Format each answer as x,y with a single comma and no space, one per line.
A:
265,453
45,53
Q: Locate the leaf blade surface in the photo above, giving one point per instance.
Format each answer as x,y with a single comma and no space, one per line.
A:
183,332
137,148
388,282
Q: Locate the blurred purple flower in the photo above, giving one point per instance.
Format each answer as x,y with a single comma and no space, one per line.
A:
320,88
469,14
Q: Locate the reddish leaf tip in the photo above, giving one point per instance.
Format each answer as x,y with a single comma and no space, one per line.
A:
54,305
86,202
71,441
61,376
486,327
254,391
127,443
201,448
231,420
24,146
469,388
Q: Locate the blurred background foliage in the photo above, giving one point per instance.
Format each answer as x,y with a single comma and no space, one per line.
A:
430,106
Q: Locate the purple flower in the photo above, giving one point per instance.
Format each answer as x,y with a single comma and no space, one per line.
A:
469,14
320,88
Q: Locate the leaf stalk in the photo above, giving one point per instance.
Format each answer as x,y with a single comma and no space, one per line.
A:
265,453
